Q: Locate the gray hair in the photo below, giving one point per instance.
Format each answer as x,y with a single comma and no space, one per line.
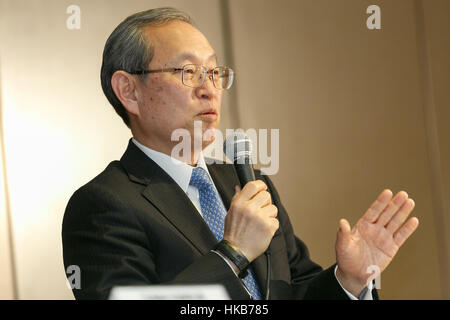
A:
127,49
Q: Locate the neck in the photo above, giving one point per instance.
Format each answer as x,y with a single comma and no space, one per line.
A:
189,156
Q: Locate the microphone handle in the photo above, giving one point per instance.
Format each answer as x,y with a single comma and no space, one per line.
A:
245,173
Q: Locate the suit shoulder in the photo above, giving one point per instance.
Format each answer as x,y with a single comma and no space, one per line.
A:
106,183
112,175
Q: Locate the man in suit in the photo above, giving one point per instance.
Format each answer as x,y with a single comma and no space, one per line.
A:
154,218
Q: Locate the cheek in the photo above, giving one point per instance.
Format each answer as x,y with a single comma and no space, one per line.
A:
219,99
167,101
168,93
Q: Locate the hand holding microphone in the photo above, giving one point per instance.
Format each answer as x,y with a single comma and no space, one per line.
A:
251,220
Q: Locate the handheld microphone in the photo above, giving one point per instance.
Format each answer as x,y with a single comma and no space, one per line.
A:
238,148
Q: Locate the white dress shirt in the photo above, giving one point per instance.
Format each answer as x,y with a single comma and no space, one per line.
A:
181,173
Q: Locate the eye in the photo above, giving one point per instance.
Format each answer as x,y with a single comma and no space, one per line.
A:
190,70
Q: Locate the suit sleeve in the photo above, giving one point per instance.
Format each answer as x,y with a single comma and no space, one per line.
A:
308,279
105,240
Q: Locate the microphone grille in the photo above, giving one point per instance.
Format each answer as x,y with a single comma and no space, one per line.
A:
237,145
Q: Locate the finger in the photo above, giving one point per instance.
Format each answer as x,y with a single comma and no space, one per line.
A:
275,224
392,208
261,199
378,206
404,232
270,211
252,188
400,217
237,191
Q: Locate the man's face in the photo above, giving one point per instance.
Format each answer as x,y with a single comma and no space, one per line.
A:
165,103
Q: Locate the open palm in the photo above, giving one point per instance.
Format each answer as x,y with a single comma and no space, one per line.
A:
375,239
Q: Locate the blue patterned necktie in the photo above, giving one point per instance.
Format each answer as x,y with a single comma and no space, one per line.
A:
214,213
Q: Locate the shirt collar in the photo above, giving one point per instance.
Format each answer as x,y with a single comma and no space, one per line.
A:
179,171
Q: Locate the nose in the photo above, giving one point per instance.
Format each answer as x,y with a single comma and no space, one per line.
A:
207,90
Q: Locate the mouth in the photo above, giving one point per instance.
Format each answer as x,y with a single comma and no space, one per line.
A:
208,112
208,115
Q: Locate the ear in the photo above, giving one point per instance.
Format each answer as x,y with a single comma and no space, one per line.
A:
124,86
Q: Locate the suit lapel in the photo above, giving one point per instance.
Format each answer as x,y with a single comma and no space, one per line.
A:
170,200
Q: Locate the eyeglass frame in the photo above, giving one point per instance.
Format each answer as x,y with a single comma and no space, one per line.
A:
205,71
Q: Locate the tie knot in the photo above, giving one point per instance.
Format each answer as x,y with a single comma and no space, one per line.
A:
200,178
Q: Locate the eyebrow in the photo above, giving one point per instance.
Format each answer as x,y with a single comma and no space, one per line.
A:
190,56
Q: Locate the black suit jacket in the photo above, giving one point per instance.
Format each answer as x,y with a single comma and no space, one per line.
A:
133,225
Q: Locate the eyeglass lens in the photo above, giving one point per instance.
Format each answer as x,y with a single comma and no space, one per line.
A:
194,76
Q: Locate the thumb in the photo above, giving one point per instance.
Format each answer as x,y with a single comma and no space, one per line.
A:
344,231
237,190
344,226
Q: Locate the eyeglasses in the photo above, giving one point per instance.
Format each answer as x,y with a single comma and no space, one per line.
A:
194,75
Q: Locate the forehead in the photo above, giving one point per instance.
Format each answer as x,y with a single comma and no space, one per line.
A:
178,41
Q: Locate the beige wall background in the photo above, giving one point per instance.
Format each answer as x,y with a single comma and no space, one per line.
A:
358,111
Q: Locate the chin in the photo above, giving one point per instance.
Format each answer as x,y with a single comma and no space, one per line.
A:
209,135
206,143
